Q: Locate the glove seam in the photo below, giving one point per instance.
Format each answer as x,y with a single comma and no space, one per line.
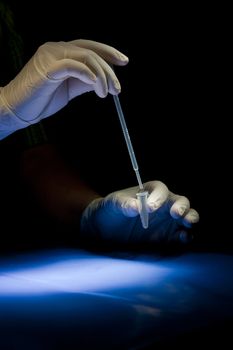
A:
11,113
23,123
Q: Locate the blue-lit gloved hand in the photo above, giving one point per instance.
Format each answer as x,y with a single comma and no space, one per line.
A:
58,72
115,218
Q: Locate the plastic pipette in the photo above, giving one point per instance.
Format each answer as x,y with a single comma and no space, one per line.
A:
142,194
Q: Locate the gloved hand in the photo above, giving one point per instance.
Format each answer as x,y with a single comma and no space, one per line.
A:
58,72
115,218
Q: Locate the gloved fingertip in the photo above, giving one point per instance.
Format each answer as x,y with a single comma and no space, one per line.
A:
130,208
117,86
114,91
190,219
178,212
121,58
102,93
152,206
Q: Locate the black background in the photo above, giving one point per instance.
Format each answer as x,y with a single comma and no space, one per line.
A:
172,96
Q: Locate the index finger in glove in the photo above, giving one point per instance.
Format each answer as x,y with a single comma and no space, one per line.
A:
158,194
106,80
113,84
108,53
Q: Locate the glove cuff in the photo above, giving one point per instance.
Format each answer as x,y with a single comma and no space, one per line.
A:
9,122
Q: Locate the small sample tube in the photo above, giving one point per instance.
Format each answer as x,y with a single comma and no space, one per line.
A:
142,197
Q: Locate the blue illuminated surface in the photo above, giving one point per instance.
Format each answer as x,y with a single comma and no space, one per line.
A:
81,274
80,298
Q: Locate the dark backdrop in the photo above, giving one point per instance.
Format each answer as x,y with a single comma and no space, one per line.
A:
170,95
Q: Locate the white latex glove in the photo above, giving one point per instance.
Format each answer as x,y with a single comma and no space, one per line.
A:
58,72
115,218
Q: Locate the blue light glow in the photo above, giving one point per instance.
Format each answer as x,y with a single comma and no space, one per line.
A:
85,273
122,301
